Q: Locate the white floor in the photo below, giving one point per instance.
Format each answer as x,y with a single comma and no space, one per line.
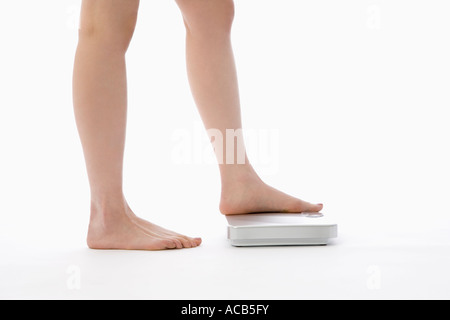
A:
384,265
351,110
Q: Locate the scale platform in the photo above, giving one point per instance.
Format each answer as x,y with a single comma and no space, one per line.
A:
280,229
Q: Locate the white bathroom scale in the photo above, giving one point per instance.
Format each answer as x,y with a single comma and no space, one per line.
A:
280,229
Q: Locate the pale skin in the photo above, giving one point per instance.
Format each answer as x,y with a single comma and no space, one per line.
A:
100,106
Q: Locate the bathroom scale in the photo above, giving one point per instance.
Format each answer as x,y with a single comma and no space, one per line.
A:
280,229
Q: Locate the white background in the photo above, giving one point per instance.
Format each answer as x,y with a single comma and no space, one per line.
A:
358,93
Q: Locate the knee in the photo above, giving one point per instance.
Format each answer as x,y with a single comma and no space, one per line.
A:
207,17
111,33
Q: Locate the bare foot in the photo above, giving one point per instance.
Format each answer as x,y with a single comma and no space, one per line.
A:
119,228
247,193
186,241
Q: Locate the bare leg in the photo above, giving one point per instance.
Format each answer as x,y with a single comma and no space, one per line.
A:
214,85
100,106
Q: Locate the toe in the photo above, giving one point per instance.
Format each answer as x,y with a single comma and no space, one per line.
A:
193,244
178,243
186,243
299,206
169,244
310,207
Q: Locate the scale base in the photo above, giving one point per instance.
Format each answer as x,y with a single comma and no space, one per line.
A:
280,229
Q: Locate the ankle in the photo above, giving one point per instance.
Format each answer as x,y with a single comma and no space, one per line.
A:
237,174
107,204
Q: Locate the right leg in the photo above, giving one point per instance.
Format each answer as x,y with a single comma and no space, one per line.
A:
100,106
214,83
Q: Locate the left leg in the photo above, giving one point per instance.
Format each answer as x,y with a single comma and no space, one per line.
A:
100,107
214,85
